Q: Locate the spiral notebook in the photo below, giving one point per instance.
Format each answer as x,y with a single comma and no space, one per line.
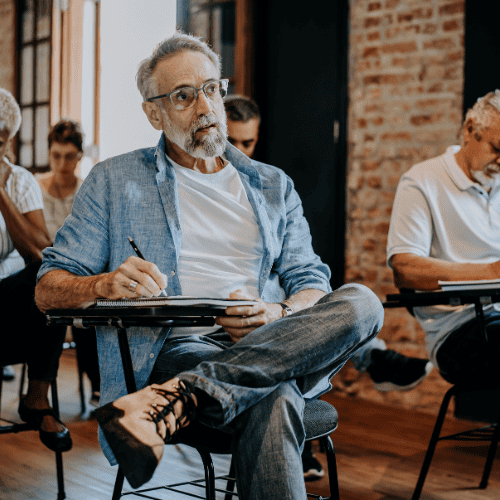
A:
174,301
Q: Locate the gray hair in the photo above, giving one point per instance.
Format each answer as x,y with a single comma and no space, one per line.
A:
485,111
10,113
179,42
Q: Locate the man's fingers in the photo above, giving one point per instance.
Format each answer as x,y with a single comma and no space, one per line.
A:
149,278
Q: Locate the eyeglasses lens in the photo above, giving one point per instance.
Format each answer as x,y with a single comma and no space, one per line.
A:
184,98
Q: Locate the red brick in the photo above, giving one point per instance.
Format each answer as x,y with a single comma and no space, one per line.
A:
390,4
374,6
426,119
452,25
430,29
370,165
371,52
377,121
396,136
415,14
439,43
452,8
399,47
372,21
374,35
362,123
374,181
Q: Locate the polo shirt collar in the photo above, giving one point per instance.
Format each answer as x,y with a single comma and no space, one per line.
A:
457,175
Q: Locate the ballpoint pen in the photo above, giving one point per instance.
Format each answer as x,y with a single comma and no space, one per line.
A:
139,254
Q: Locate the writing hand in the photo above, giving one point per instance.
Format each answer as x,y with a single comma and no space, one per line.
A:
115,285
241,320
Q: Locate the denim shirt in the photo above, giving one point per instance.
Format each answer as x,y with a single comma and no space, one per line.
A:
135,194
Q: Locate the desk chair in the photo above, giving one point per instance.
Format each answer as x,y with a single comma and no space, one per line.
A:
320,420
8,427
487,433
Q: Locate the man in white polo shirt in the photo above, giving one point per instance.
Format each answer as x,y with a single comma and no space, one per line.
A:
445,225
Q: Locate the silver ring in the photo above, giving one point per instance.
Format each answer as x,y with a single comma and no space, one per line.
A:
132,286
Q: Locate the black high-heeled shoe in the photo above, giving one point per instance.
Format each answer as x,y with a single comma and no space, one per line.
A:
138,425
55,441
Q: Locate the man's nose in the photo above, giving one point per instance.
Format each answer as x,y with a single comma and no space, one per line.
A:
203,103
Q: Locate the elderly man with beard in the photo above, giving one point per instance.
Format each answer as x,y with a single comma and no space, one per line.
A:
445,225
215,223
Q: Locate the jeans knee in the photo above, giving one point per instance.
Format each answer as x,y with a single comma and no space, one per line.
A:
367,310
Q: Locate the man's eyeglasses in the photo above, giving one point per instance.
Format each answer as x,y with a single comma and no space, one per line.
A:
185,98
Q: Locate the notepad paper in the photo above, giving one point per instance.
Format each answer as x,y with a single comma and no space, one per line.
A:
469,285
174,301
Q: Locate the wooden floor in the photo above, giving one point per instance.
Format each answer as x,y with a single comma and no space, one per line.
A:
379,453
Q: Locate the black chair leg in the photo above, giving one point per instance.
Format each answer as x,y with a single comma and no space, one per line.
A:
209,474
331,461
21,383
432,444
491,455
230,483
61,495
117,490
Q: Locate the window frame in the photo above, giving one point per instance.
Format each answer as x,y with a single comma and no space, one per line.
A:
243,57
20,45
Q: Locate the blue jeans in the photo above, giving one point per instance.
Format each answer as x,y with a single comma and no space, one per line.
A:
255,389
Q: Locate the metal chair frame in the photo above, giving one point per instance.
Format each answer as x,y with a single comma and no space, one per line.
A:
209,481
410,299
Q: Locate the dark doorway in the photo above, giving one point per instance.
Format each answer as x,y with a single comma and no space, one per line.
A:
482,53
300,84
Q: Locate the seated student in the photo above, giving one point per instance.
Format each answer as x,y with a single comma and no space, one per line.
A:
216,224
388,369
59,187
24,334
445,225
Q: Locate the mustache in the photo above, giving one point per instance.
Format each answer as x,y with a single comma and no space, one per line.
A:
206,121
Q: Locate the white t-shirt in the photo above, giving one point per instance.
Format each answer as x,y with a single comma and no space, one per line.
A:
25,193
222,247
55,210
439,212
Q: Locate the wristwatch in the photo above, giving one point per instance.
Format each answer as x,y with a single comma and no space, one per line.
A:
287,310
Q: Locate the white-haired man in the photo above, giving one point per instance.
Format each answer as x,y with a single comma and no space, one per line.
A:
217,224
445,225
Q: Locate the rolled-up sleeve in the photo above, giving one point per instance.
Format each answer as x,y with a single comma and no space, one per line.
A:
410,229
298,266
82,244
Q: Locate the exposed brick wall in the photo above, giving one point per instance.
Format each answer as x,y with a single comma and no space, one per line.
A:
7,45
405,90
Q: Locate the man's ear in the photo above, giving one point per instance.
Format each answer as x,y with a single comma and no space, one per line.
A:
470,131
153,112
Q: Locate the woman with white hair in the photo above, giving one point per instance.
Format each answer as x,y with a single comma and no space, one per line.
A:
24,336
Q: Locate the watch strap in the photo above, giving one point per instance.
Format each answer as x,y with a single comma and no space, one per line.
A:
287,310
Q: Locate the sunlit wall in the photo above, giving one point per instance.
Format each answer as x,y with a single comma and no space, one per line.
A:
130,29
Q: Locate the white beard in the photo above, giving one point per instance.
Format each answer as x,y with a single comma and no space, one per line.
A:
489,180
210,146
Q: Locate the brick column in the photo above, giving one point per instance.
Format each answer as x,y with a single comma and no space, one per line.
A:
405,88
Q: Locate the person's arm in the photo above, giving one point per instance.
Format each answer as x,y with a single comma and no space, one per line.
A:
423,273
241,320
60,289
28,231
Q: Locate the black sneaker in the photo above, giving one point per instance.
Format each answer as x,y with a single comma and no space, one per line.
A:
312,468
391,371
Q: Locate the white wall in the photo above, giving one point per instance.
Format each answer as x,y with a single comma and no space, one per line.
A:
130,30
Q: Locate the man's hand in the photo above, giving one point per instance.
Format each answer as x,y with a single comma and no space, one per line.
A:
241,320
115,285
5,171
